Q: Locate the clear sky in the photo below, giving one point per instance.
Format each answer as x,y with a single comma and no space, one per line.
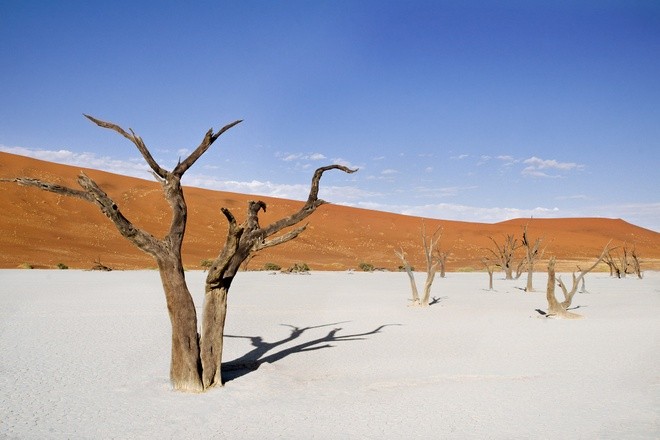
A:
464,110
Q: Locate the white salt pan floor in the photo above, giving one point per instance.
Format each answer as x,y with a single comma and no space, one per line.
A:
339,356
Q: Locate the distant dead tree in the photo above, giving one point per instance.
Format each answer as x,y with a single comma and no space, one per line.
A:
489,267
532,253
503,254
429,247
611,262
634,258
558,309
622,265
441,257
196,357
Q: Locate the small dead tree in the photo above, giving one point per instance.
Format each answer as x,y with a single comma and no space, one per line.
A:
195,357
503,254
489,267
620,266
634,259
558,309
442,256
532,254
615,270
429,247
555,308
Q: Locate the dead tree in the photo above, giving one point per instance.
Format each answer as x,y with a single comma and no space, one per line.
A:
196,357
504,254
560,309
429,247
634,259
615,270
532,253
489,267
555,308
441,256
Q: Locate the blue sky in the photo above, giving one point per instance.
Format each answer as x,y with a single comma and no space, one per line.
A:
464,110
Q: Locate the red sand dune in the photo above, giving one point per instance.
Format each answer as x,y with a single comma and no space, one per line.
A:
43,229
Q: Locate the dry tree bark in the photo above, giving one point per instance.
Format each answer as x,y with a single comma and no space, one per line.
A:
195,358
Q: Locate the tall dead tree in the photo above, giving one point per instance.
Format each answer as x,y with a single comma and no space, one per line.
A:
503,254
196,357
532,253
429,246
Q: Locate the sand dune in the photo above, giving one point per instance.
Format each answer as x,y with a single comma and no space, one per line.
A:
42,229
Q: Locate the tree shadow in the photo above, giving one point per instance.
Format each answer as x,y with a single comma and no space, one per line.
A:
436,300
253,359
544,313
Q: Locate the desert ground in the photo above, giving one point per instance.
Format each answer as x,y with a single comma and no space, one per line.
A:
329,355
43,230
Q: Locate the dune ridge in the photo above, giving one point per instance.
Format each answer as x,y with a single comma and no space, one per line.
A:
41,229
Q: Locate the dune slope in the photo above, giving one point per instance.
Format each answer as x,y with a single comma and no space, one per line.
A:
42,229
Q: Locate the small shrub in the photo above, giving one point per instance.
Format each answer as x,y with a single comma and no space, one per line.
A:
25,266
299,268
62,266
206,263
272,266
403,268
367,267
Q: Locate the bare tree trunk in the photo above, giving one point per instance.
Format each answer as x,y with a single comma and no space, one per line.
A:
489,268
555,308
430,276
213,329
635,262
530,273
184,367
411,277
532,253
442,260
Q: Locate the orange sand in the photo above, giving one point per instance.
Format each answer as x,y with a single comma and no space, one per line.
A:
43,229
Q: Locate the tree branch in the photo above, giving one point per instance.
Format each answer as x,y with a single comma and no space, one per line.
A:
137,141
208,140
279,240
143,240
51,187
309,207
